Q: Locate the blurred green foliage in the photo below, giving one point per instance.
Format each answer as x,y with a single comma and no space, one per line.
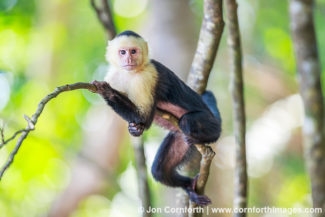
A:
44,44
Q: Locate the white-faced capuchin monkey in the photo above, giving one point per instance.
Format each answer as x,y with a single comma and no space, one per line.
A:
136,87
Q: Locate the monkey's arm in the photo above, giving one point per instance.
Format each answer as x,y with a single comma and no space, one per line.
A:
122,106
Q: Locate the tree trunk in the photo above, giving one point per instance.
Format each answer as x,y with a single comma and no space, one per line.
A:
309,73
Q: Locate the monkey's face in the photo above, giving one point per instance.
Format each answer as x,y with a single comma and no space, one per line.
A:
128,53
130,58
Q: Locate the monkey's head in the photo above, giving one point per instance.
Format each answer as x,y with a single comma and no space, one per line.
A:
128,51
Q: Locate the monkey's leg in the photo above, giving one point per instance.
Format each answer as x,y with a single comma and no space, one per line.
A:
200,127
169,156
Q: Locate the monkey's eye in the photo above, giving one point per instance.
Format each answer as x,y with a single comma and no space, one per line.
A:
133,51
122,52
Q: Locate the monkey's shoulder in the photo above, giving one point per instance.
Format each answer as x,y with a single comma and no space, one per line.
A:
167,79
172,89
160,68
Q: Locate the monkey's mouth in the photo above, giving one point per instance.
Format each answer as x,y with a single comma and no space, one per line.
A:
130,66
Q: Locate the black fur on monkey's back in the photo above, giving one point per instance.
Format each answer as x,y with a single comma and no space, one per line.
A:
175,91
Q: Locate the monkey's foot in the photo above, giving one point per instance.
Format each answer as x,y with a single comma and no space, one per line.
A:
103,88
195,197
201,200
136,129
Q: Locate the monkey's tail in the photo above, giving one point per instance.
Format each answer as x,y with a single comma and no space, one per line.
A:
210,100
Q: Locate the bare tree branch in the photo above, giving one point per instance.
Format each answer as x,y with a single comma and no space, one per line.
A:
2,135
237,90
309,73
104,15
6,141
209,39
207,157
144,191
31,122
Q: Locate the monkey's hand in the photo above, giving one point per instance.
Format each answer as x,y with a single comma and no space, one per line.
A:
103,88
136,129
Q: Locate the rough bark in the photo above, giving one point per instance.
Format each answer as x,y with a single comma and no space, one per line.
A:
209,39
309,73
206,51
142,175
237,91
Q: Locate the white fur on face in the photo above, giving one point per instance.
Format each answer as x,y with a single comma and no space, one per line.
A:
126,42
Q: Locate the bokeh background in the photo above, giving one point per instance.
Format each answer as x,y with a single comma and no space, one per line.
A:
80,153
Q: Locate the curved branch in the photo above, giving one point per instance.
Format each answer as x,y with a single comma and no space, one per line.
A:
56,92
31,122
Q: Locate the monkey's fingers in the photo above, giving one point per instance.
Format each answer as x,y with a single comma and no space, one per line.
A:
102,87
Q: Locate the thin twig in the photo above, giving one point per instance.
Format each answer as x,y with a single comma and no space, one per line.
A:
6,141
31,122
141,168
237,90
2,136
105,17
